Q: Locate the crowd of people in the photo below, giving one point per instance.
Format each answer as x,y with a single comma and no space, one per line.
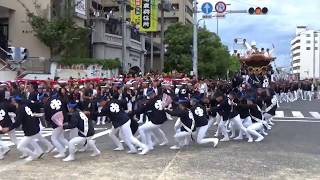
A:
137,107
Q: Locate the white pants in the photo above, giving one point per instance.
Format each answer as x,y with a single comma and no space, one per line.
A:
222,128
128,137
307,95
3,146
267,117
81,141
202,133
247,122
58,139
182,138
73,133
237,123
254,128
30,140
145,132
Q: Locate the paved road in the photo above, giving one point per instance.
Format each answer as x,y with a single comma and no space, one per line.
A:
290,151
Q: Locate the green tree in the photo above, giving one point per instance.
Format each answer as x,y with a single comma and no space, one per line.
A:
214,59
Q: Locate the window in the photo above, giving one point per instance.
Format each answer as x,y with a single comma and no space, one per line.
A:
315,41
308,48
308,35
175,7
315,48
296,68
315,35
308,42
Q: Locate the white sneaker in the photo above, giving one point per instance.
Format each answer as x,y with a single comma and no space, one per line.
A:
23,156
216,134
250,140
6,151
225,140
259,139
69,158
119,149
94,154
55,150
60,155
29,158
164,143
122,141
215,143
103,123
144,151
132,152
175,147
238,138
98,123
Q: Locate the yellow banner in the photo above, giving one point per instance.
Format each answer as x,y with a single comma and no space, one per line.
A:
135,11
149,16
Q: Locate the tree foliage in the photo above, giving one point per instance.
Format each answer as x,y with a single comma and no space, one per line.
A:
214,59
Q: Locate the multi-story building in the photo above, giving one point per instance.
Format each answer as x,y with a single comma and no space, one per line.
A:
305,53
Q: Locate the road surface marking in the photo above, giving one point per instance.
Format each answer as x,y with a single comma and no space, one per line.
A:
295,120
279,114
315,115
297,114
162,175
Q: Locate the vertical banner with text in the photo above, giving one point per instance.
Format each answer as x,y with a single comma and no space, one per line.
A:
149,16
135,12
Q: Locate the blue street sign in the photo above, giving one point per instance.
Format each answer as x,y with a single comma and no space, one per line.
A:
207,8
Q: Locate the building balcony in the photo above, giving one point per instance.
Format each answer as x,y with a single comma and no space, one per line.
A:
107,43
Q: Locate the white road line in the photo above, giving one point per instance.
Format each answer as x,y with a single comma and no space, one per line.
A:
315,115
297,114
295,120
163,173
279,114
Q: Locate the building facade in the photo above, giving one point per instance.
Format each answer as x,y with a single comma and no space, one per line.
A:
305,53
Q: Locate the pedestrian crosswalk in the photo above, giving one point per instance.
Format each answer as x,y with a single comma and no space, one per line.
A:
46,132
297,114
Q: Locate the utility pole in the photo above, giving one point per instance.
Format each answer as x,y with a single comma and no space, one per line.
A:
217,26
195,40
314,57
124,34
162,36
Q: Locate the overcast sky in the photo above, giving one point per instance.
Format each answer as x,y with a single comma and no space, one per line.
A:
277,27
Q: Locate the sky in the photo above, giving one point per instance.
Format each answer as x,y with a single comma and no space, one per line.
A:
277,27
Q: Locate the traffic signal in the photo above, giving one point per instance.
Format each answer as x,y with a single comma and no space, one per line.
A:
11,53
23,53
258,11
17,53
